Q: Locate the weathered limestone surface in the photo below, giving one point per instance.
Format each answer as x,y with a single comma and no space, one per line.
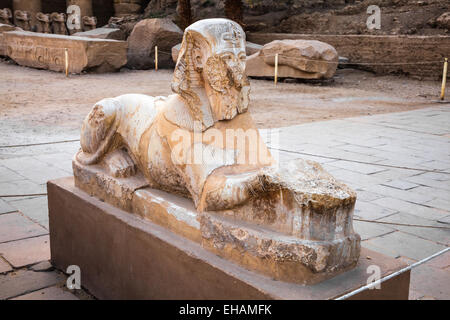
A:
46,51
145,36
5,28
296,58
291,222
102,33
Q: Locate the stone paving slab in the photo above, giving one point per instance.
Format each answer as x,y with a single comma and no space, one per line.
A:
14,226
400,184
4,266
368,230
371,211
25,252
51,293
412,208
5,207
14,284
445,220
441,236
398,244
21,187
34,169
441,262
9,175
429,282
34,208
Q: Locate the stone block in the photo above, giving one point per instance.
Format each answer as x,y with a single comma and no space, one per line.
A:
47,51
145,36
296,59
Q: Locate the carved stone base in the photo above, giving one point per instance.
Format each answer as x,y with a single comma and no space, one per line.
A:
255,247
122,256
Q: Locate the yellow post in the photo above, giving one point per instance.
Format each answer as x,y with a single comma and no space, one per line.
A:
156,58
276,69
66,55
444,79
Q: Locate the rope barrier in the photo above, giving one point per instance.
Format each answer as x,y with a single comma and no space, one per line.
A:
22,195
37,144
402,224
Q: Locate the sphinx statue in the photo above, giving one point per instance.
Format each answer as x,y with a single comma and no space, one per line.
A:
89,23
290,221
22,19
5,16
59,23
43,23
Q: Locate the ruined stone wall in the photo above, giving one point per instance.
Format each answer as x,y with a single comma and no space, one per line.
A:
407,55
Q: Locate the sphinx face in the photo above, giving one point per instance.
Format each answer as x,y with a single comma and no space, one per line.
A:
225,81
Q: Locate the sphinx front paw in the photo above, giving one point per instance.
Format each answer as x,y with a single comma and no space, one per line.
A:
119,164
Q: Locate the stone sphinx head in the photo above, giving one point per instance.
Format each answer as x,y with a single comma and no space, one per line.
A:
212,57
43,22
22,19
89,23
5,16
59,23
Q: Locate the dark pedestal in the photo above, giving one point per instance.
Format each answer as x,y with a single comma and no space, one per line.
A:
122,256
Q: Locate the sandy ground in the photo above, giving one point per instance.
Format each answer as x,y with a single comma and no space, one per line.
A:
45,99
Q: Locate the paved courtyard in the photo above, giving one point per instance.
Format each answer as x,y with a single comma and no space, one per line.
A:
398,163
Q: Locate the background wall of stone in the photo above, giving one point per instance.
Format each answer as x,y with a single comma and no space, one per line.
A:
384,54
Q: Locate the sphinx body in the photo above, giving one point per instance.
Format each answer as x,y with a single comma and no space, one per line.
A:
291,222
